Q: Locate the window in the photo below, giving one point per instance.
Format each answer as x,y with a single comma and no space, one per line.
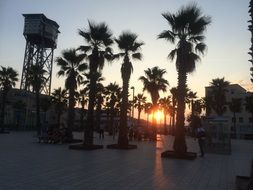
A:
233,119
250,119
240,120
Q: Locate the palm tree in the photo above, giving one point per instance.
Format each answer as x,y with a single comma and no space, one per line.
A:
165,104
8,79
129,46
72,66
139,103
173,92
218,96
207,104
112,91
36,78
98,38
59,100
249,104
83,101
99,99
148,110
190,97
153,82
187,27
235,106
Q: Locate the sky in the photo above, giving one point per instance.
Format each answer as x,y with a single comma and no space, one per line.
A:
227,37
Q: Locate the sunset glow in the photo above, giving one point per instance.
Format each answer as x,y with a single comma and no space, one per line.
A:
158,115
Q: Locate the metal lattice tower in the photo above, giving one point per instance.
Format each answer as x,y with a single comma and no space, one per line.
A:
41,39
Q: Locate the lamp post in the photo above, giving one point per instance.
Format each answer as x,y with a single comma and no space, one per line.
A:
133,103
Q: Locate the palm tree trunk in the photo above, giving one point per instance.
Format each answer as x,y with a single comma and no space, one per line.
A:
179,142
139,116
164,123
71,110
173,117
88,130
123,128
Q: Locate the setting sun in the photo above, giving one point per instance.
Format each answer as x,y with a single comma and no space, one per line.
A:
158,115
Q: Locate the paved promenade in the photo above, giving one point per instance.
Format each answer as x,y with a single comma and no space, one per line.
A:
28,165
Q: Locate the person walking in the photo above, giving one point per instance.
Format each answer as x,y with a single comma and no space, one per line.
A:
101,131
200,134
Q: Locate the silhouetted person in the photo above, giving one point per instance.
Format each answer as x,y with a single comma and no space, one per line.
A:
200,134
101,131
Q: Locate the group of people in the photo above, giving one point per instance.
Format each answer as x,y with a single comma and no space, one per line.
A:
57,135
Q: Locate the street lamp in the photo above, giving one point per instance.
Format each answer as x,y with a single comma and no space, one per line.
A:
133,103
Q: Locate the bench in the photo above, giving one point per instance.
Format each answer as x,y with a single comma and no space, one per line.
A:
245,182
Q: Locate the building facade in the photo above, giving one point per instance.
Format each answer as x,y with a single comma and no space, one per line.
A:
242,128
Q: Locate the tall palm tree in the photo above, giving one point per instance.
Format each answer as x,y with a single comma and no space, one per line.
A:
99,98
218,96
129,46
153,82
173,92
165,104
8,79
139,103
207,104
190,97
148,110
36,78
112,91
83,101
98,38
235,106
72,66
59,100
187,27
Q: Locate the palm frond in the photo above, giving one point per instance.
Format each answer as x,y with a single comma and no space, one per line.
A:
200,48
167,35
172,54
84,48
137,56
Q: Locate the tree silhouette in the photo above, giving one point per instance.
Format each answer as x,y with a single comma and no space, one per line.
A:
36,78
72,66
139,103
59,100
8,79
98,39
153,82
218,96
129,46
187,27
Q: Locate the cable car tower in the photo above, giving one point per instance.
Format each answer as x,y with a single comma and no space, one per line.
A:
41,37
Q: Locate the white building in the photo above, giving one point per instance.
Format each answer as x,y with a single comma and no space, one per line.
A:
244,120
